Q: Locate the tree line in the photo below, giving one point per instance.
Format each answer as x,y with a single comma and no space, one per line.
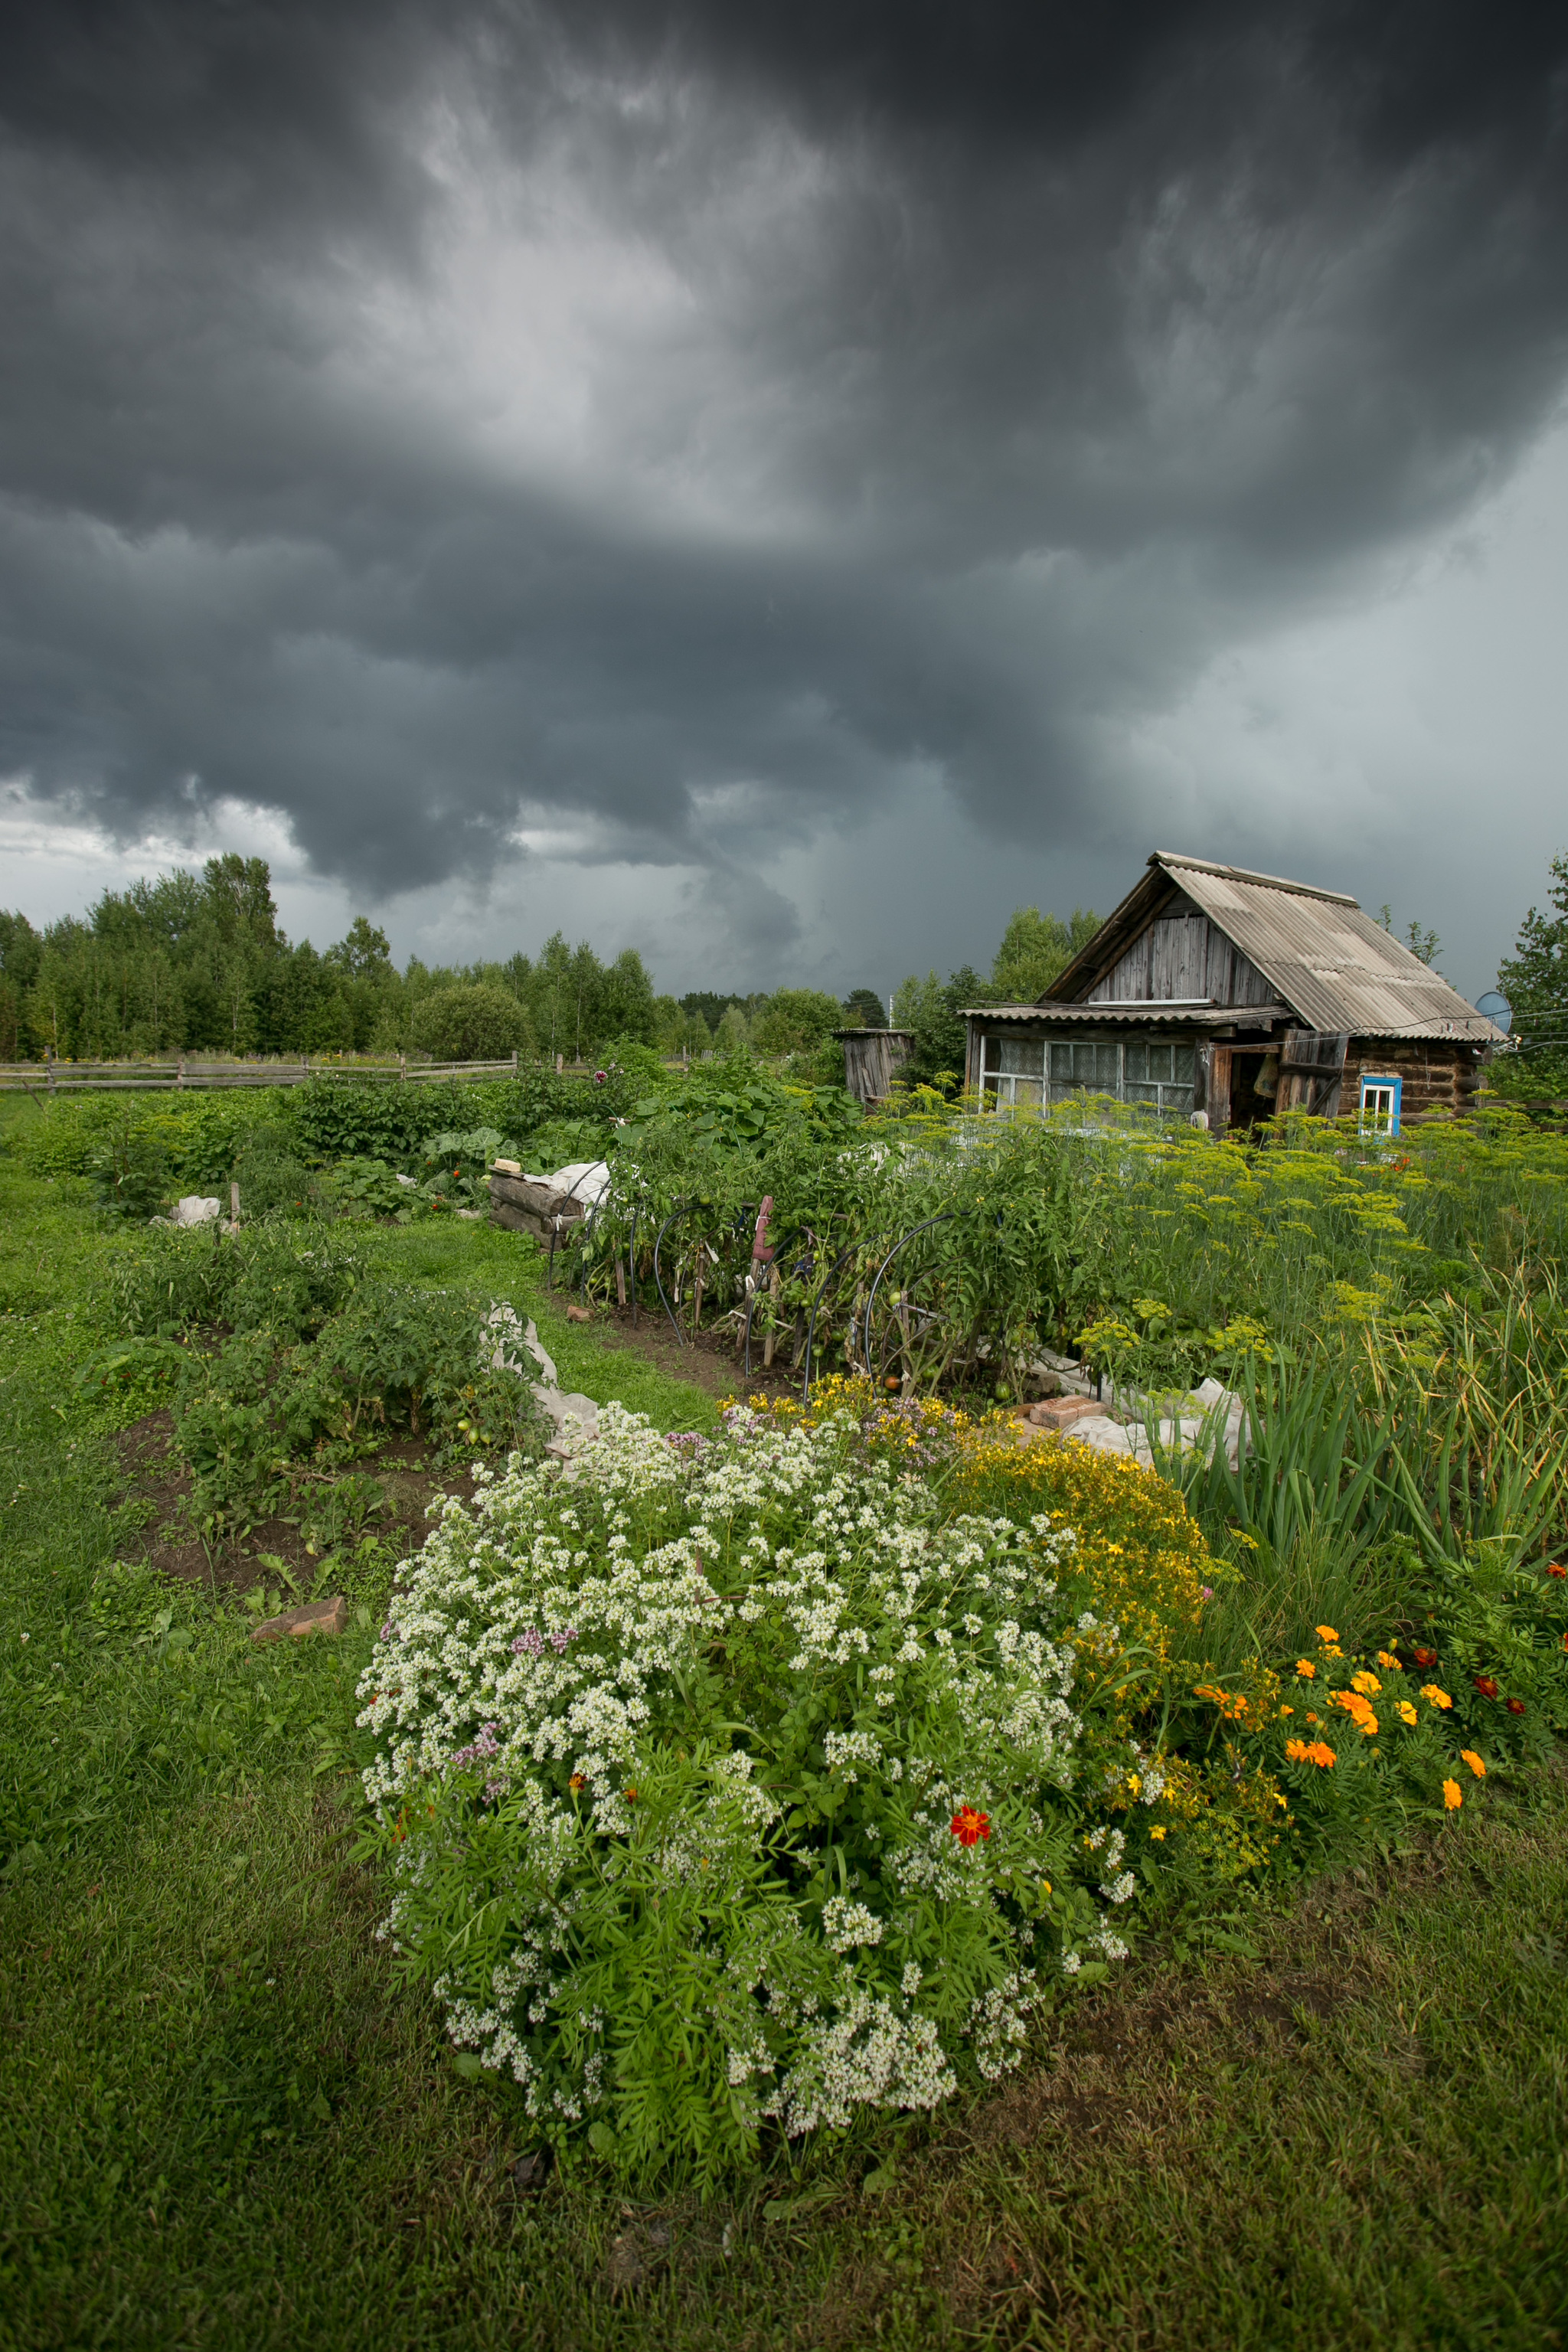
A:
197,963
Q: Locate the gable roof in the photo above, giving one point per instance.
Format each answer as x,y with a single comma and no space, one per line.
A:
1332,965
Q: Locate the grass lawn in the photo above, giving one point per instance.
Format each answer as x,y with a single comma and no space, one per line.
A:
223,2123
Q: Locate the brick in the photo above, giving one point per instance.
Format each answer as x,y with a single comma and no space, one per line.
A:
316,1617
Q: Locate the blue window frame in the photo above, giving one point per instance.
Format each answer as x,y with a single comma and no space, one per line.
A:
1380,1099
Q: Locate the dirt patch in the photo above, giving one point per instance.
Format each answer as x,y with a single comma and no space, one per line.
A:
714,1360
157,1486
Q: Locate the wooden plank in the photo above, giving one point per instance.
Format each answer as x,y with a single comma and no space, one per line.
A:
1311,1071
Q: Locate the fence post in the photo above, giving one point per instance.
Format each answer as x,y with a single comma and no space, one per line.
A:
403,1066
180,1077
234,1206
514,1061
305,1065
49,1082
560,1063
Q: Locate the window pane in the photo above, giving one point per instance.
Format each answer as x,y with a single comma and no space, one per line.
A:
1028,1090
1186,1060
1160,1063
1136,1091
1021,1056
1177,1099
1138,1061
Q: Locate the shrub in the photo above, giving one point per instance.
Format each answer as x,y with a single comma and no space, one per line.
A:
471,1022
733,1783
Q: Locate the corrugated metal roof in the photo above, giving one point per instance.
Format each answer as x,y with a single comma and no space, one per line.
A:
1336,967
1182,1016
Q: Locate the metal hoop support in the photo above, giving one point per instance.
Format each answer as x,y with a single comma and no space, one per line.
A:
946,1218
843,1255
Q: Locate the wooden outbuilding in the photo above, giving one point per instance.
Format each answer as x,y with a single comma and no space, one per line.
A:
872,1059
1215,993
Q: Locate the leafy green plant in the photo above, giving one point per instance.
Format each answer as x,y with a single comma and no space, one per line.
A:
127,1171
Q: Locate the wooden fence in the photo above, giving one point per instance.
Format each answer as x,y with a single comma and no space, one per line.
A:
52,1077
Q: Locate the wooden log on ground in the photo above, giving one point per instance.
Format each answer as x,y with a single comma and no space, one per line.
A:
525,1204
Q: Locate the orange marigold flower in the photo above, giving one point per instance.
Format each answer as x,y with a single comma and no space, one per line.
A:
1304,1666
1311,1752
1434,1696
1287,1710
1453,1795
1368,1685
969,1827
1555,1568
1403,1708
1325,1632
578,1781
1359,1714
1477,1764
1389,1663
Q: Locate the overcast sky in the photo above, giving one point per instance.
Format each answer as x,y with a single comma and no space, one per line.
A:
781,486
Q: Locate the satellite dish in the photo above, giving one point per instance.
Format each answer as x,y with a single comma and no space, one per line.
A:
1497,1008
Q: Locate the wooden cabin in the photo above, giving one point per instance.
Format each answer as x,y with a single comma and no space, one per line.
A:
1218,995
872,1058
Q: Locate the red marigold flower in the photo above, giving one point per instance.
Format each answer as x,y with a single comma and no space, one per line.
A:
1516,1707
1487,1688
969,1827
1555,1568
1425,1657
577,1782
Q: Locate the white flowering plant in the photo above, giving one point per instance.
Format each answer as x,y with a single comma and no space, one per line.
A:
736,1784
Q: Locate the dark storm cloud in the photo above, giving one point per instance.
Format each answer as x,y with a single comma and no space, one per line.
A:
963,381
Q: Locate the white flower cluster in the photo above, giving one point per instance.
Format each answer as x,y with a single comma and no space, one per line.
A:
845,1924
863,2056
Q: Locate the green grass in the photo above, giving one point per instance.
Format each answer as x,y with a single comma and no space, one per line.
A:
223,2123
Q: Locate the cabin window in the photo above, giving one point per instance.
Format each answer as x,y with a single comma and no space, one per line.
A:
1028,1071
1380,1104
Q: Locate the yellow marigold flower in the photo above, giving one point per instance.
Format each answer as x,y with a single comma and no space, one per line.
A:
1325,1632
1287,1710
1368,1685
1477,1763
1404,1708
1305,1666
1434,1696
1389,1663
1159,1831
1453,1795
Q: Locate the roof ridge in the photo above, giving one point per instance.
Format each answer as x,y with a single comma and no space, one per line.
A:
1169,858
